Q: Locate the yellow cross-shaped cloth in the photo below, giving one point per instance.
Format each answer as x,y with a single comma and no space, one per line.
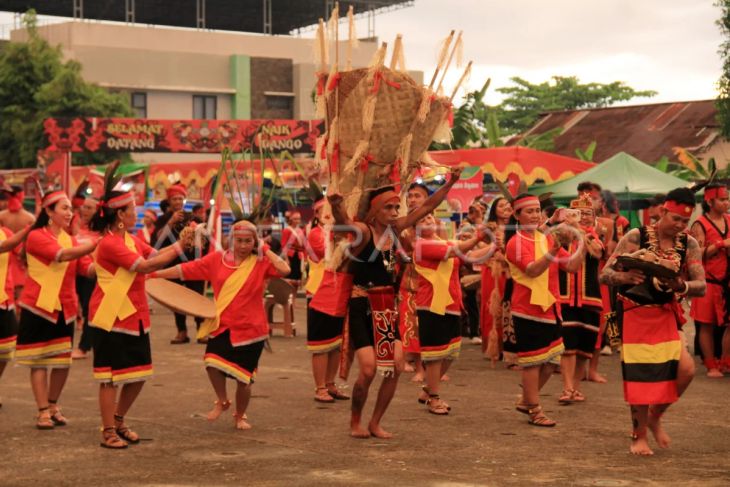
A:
440,278
231,287
49,277
4,261
115,303
316,273
540,285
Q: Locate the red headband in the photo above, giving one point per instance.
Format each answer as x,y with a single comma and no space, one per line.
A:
151,214
15,201
177,189
119,201
244,227
318,204
679,208
713,193
52,198
379,201
525,202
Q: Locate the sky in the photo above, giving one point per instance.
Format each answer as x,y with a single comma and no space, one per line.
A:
669,46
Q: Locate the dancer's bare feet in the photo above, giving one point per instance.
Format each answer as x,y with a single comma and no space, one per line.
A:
596,377
640,447
379,432
445,378
418,377
240,421
409,368
218,408
661,436
357,431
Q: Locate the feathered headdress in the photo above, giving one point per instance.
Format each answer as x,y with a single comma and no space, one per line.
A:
111,180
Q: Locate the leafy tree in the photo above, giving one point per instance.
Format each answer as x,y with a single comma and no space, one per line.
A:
476,125
36,84
525,101
723,98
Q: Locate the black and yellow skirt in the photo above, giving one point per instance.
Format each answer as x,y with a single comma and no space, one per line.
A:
121,358
439,336
538,342
8,334
239,363
324,332
580,330
43,344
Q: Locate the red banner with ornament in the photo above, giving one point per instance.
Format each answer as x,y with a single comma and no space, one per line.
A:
189,136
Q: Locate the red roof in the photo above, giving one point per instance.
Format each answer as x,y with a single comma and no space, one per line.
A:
528,164
647,132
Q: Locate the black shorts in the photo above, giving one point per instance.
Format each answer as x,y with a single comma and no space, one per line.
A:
120,358
239,363
41,343
537,342
439,335
324,332
580,330
8,334
361,324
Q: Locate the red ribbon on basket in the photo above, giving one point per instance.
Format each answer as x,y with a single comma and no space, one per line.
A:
334,81
377,78
367,159
321,81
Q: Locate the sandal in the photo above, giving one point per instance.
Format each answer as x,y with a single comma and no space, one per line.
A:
437,406
218,408
538,418
566,398
424,400
110,439
322,395
56,416
44,421
240,421
335,392
522,407
577,396
123,430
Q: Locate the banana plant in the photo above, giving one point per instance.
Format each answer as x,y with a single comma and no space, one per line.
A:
587,154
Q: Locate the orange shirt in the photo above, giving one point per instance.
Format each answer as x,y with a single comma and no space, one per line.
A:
245,316
42,244
429,254
112,254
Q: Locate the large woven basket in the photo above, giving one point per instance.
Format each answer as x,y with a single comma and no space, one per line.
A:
398,98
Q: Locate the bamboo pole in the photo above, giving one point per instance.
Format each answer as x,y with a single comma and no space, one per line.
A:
397,47
441,59
451,57
467,70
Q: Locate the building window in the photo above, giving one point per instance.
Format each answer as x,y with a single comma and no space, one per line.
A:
278,102
139,104
204,107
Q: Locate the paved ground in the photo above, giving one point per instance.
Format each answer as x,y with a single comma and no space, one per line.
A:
296,441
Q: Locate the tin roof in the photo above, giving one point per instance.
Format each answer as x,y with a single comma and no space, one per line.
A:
648,132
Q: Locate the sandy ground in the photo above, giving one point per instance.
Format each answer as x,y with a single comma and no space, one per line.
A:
296,441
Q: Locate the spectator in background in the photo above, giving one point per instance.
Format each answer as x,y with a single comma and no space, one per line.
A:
198,212
654,210
148,226
293,241
84,285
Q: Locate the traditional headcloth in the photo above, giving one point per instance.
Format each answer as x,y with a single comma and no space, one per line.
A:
525,201
318,204
244,227
379,201
714,193
151,213
15,198
583,202
52,198
117,202
680,209
177,189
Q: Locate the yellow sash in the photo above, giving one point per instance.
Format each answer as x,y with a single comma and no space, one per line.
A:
440,278
316,273
115,303
540,285
234,283
4,261
49,277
